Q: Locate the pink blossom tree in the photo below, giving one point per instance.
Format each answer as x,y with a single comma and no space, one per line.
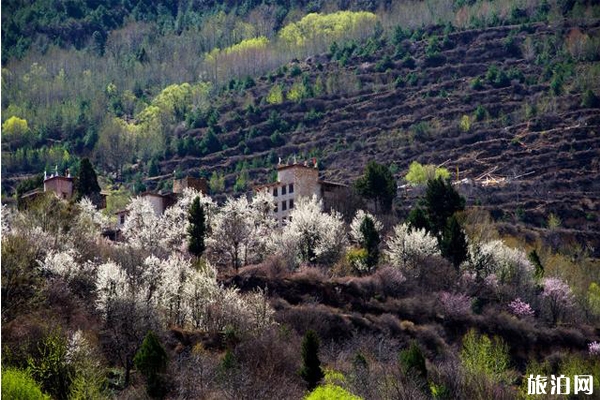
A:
558,297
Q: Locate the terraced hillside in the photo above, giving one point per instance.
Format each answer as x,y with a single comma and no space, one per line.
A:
506,100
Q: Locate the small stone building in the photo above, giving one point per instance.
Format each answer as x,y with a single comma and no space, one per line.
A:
161,201
300,180
62,186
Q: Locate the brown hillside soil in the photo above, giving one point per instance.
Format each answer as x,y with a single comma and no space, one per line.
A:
368,118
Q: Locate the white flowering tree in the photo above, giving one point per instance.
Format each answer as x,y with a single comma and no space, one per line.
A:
356,235
89,219
407,245
60,263
509,265
174,221
143,228
311,236
230,236
240,231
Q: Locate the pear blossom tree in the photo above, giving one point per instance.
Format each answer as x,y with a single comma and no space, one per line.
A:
311,236
143,228
407,245
510,266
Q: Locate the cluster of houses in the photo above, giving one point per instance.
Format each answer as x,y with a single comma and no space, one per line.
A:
294,181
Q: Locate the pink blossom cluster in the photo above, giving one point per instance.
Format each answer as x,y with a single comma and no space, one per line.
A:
455,304
520,309
594,348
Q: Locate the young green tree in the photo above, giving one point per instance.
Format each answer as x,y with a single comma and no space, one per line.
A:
17,384
413,361
86,182
311,370
197,228
441,202
454,243
378,184
151,360
371,241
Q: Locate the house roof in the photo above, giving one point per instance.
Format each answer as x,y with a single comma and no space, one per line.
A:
296,165
64,178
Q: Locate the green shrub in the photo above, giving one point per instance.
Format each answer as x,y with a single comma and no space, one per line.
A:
18,385
50,368
413,361
590,99
482,355
480,113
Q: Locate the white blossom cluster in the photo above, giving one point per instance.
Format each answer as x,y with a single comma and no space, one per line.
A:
311,235
508,265
183,295
163,233
60,263
355,234
407,245
240,230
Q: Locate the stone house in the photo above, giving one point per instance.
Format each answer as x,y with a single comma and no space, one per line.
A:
300,180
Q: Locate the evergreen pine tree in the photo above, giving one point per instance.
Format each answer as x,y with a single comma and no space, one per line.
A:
371,241
86,182
377,184
151,360
454,243
417,219
197,228
311,370
441,202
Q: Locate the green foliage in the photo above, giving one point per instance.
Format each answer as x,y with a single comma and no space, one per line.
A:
465,123
370,242
384,64
357,258
297,92
590,99
497,77
378,184
417,219
419,174
151,360
241,182
454,244
441,201
210,143
593,298
18,385
311,370
49,366
216,183
196,228
333,26
275,95
476,84
534,258
86,182
14,127
330,392
412,361
481,355
480,113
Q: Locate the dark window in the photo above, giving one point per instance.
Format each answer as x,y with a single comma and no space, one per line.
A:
275,209
122,219
282,190
290,218
275,192
283,205
291,189
291,203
